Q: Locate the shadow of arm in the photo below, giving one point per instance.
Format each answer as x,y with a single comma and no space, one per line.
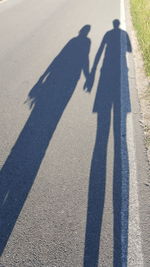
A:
86,61
129,47
90,80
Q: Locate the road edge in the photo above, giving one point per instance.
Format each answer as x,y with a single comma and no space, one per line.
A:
143,168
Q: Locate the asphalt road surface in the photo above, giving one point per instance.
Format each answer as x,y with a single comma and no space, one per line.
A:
73,170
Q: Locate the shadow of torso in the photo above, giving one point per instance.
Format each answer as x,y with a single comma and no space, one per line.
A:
108,91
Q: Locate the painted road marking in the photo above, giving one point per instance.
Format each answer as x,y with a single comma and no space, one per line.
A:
2,1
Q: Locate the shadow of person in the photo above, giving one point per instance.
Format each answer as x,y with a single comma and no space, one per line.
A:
115,44
48,99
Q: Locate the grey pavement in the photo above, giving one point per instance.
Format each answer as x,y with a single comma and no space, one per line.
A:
67,169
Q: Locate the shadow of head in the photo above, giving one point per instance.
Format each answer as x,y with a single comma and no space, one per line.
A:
84,30
116,23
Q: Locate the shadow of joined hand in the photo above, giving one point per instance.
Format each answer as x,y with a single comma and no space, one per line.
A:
89,82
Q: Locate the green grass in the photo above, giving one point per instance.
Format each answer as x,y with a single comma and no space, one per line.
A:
140,11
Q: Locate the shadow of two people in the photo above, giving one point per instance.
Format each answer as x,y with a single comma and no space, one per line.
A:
48,99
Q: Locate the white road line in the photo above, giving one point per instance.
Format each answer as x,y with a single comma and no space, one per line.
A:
1,2
131,233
